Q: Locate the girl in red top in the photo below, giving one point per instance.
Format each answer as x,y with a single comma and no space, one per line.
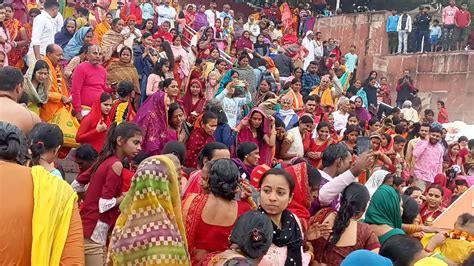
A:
94,126
104,194
443,113
200,137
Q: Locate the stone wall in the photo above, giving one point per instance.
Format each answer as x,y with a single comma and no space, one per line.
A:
438,76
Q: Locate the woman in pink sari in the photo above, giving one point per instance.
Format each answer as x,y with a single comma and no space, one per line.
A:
181,65
259,128
153,118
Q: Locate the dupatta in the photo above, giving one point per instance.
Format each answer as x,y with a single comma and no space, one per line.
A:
245,134
150,227
74,45
153,118
301,201
384,208
188,105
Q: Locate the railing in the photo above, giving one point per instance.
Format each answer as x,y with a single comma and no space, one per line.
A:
189,33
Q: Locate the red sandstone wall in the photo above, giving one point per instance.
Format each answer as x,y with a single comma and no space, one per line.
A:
438,76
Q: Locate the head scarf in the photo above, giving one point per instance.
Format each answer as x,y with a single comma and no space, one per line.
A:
253,233
375,181
384,208
365,257
74,45
38,95
407,104
153,118
62,38
95,115
188,105
150,227
243,42
245,134
257,174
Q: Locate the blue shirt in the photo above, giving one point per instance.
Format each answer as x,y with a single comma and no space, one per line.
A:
392,23
147,11
435,31
309,81
351,61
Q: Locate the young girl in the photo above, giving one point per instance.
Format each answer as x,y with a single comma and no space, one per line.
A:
104,195
200,137
45,142
94,126
350,137
122,108
319,144
157,76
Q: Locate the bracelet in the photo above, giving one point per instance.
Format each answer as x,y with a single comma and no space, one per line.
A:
311,254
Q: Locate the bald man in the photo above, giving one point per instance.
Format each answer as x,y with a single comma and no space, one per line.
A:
11,89
88,82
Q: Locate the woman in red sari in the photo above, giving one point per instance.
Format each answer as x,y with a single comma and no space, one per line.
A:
259,128
200,137
319,144
208,231
18,36
433,207
194,100
442,180
94,126
453,153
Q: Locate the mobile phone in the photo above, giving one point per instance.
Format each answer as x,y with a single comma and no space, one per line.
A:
363,145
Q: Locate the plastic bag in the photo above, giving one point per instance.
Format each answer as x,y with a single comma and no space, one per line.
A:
69,125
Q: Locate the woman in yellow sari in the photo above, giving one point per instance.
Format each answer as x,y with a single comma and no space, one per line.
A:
151,211
103,27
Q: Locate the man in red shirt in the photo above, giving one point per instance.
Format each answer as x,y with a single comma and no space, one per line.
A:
462,20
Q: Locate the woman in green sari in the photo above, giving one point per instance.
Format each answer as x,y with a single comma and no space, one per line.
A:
384,214
36,85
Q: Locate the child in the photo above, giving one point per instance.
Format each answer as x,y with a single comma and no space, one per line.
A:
435,35
200,137
442,113
104,193
45,142
122,109
84,156
93,128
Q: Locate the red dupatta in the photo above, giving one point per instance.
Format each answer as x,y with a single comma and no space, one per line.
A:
188,105
96,115
301,201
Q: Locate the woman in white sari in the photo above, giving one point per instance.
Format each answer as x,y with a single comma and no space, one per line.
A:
298,139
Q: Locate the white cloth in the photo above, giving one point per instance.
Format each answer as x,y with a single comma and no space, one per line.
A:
375,181
410,114
296,146
254,30
131,39
43,31
311,46
165,13
319,49
211,16
340,120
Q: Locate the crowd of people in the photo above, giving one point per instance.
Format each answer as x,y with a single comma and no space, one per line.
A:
276,154
422,33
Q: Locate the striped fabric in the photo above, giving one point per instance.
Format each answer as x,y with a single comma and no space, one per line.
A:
150,229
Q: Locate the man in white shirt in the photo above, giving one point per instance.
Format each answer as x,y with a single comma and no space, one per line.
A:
212,13
166,12
342,114
45,26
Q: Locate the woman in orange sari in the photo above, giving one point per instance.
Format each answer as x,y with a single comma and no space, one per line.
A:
20,39
103,27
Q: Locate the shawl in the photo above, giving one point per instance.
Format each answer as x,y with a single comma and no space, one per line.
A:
362,113
150,227
196,142
384,208
75,44
297,99
184,66
247,74
54,200
289,236
153,118
122,111
100,30
242,43
188,105
289,39
301,201
63,37
375,181
326,96
200,21
118,71
37,95
109,40
245,134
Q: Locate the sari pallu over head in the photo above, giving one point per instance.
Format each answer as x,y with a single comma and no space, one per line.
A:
95,115
153,118
384,208
74,45
301,201
150,227
188,105
245,134
63,37
38,95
